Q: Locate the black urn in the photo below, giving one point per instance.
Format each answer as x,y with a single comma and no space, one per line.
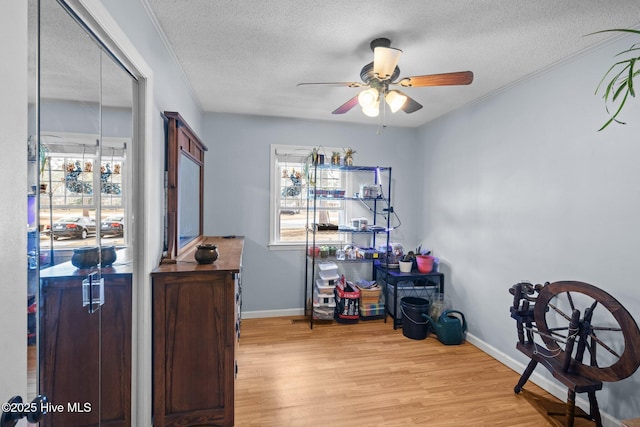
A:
85,257
206,253
108,256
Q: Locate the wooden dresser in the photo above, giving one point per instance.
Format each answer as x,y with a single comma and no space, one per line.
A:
196,326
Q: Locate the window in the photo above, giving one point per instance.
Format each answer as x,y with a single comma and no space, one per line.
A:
289,188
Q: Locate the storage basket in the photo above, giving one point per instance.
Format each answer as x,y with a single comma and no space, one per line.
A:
347,303
371,311
371,295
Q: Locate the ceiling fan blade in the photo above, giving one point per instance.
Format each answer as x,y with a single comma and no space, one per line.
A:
445,79
410,105
385,60
346,106
347,84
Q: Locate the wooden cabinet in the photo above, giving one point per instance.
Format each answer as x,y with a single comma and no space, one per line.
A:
85,358
196,324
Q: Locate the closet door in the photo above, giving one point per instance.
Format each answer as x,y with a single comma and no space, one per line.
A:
81,276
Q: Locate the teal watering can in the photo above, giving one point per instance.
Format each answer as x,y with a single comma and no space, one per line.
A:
449,328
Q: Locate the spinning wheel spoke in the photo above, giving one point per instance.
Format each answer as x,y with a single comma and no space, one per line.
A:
560,312
571,304
605,328
591,348
595,339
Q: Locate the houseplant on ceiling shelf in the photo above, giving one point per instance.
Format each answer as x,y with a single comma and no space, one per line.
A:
620,78
348,156
335,158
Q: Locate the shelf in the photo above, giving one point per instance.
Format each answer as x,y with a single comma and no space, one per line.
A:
344,230
338,198
332,195
353,168
334,259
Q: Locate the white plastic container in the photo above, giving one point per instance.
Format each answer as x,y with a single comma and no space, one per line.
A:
325,288
324,300
328,270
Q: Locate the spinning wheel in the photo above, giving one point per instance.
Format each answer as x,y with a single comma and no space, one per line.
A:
606,331
600,343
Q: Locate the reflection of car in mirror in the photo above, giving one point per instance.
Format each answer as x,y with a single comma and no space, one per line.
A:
112,226
74,226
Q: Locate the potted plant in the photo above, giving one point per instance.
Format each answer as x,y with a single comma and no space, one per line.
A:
620,78
348,156
335,158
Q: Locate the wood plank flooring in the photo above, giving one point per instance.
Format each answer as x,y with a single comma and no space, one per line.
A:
367,374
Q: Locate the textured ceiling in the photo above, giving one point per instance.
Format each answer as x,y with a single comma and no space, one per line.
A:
247,56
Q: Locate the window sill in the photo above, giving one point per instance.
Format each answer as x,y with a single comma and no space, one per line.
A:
287,246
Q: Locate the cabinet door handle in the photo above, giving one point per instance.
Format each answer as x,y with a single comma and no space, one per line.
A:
92,292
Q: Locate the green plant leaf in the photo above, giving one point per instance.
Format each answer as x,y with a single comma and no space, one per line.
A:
619,78
618,30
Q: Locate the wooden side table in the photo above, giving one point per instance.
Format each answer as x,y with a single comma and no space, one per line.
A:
631,423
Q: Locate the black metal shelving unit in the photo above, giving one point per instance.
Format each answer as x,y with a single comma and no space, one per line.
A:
338,192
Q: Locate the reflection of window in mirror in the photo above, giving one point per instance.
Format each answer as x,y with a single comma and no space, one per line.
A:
75,181
185,182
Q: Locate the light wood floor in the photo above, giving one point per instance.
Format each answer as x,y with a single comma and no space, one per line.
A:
367,374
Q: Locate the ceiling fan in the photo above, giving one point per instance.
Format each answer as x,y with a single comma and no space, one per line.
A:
378,75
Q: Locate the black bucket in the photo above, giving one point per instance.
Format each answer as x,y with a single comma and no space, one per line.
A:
414,326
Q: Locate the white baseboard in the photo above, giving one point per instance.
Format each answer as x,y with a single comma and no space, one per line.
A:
273,313
551,386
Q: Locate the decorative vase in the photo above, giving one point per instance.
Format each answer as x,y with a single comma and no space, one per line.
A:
335,159
85,257
206,253
348,160
108,256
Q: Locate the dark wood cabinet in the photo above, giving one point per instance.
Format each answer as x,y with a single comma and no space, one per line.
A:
195,332
85,358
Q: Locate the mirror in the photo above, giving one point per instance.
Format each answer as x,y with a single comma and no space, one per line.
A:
185,182
188,195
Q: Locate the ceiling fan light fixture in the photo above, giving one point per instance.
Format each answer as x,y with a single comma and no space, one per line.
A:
385,60
395,100
368,97
372,110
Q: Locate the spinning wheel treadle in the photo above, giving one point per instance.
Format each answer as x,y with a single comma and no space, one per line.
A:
600,343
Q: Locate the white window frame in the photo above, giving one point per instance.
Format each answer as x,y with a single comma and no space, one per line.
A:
298,154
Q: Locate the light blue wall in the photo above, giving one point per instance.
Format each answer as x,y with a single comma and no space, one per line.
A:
237,191
519,186
522,186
